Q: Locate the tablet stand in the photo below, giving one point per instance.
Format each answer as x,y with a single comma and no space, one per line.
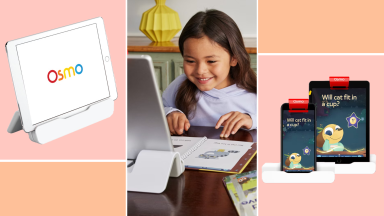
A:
15,124
357,167
152,170
165,203
325,174
60,127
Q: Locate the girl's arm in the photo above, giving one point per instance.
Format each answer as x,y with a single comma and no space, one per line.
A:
169,95
245,119
252,112
232,122
254,116
254,120
176,119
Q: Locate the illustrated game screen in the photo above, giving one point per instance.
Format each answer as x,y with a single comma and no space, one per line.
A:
298,141
341,122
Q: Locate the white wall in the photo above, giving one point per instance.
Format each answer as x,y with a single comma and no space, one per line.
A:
243,12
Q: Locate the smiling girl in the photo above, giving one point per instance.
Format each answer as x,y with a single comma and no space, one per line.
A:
219,86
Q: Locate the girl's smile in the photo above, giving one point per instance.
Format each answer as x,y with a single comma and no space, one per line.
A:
206,64
204,80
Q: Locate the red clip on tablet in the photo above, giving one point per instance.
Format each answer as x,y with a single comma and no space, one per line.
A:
339,83
298,105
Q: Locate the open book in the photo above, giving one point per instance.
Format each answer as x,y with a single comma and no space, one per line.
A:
200,153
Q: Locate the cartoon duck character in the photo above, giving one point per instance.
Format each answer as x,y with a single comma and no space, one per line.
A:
293,161
329,138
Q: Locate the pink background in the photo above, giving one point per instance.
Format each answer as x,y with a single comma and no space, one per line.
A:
284,77
103,140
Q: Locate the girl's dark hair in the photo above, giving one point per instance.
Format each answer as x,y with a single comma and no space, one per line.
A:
221,29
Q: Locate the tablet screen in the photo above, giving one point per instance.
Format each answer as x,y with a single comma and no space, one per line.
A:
341,122
298,141
63,72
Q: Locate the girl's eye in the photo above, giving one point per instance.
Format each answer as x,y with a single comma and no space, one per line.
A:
211,62
189,61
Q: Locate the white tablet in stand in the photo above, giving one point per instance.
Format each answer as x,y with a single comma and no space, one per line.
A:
325,174
149,140
357,167
63,80
61,127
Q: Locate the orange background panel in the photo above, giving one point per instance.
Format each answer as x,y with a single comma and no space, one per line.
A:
58,188
326,26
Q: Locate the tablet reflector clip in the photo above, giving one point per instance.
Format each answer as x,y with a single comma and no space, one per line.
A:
298,105
339,83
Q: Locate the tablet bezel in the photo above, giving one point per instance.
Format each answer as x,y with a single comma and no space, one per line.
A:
17,77
352,84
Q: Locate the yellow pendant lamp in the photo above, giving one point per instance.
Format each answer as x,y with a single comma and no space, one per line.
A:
160,23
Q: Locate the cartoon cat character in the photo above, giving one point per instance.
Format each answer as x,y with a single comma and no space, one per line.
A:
293,161
329,138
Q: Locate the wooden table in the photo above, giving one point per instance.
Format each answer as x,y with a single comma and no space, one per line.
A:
194,192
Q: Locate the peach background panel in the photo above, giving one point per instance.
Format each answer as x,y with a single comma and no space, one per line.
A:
62,188
327,26
284,77
103,140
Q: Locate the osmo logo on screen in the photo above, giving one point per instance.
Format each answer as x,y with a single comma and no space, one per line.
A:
77,70
298,101
338,79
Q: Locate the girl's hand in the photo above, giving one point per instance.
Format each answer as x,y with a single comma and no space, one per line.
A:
177,123
232,122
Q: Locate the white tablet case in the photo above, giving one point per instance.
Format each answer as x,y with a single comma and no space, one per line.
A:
62,126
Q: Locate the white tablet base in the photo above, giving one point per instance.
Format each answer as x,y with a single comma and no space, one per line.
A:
152,169
61,127
325,174
357,167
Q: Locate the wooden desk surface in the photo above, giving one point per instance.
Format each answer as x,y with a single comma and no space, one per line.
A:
194,192
144,44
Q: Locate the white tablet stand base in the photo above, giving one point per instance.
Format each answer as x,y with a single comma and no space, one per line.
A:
325,174
61,127
357,167
152,169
